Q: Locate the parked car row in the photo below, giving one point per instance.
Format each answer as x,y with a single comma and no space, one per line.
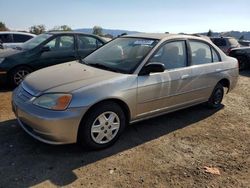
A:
45,50
129,79
233,48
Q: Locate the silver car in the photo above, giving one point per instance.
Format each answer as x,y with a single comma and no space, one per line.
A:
129,79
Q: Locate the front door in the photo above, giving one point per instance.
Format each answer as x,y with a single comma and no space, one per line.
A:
59,50
168,90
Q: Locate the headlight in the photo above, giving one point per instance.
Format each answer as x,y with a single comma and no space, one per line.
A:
53,101
1,60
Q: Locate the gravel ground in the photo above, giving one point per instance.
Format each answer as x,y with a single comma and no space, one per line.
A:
174,150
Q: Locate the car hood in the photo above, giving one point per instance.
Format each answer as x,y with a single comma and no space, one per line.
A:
8,52
65,77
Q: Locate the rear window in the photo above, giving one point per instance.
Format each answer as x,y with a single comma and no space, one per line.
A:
21,38
6,38
219,41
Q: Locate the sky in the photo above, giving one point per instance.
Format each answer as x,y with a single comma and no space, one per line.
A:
175,16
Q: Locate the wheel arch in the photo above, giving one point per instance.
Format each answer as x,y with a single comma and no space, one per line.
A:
18,66
121,103
225,83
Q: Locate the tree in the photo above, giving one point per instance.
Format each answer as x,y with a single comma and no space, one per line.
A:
3,27
209,33
62,28
97,30
242,37
37,29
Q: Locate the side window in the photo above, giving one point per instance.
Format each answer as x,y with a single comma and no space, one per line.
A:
215,56
51,44
201,53
85,42
172,55
219,41
6,38
66,43
20,38
61,43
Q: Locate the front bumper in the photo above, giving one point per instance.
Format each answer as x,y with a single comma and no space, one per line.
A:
52,127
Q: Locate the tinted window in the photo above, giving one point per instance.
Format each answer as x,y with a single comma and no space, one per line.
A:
215,56
201,53
32,43
172,55
61,43
219,41
21,38
6,38
86,42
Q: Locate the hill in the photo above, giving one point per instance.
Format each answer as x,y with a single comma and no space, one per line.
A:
113,32
116,32
235,34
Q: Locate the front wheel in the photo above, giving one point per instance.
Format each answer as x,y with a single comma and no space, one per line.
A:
18,74
102,126
216,97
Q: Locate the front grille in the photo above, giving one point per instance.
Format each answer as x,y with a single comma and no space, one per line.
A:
23,95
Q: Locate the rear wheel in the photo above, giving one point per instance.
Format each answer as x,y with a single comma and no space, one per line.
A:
216,97
18,74
102,126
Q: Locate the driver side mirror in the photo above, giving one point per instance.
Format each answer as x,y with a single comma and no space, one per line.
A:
152,68
45,49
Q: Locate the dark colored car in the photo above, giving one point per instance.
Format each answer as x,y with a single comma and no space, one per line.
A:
226,44
45,50
244,42
242,55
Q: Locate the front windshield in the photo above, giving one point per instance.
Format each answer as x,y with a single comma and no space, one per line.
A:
121,55
32,43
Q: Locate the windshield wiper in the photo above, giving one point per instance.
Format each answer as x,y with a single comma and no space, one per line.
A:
101,66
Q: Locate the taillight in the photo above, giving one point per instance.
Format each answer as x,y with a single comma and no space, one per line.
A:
228,51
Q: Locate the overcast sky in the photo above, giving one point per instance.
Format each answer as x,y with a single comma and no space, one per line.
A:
174,16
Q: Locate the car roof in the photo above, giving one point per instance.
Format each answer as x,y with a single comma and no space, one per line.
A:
221,37
73,32
160,36
67,32
17,32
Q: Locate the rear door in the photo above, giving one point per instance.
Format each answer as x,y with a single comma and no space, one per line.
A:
87,44
59,50
206,67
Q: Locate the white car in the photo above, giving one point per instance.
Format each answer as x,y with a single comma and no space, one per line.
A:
12,39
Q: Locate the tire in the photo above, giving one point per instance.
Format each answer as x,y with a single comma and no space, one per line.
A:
242,62
18,74
96,131
216,97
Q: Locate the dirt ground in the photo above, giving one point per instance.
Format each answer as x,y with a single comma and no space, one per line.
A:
168,151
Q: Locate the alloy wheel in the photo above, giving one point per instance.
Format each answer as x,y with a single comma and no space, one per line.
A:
20,75
105,127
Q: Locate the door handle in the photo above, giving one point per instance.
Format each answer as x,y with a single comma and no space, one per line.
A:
183,77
